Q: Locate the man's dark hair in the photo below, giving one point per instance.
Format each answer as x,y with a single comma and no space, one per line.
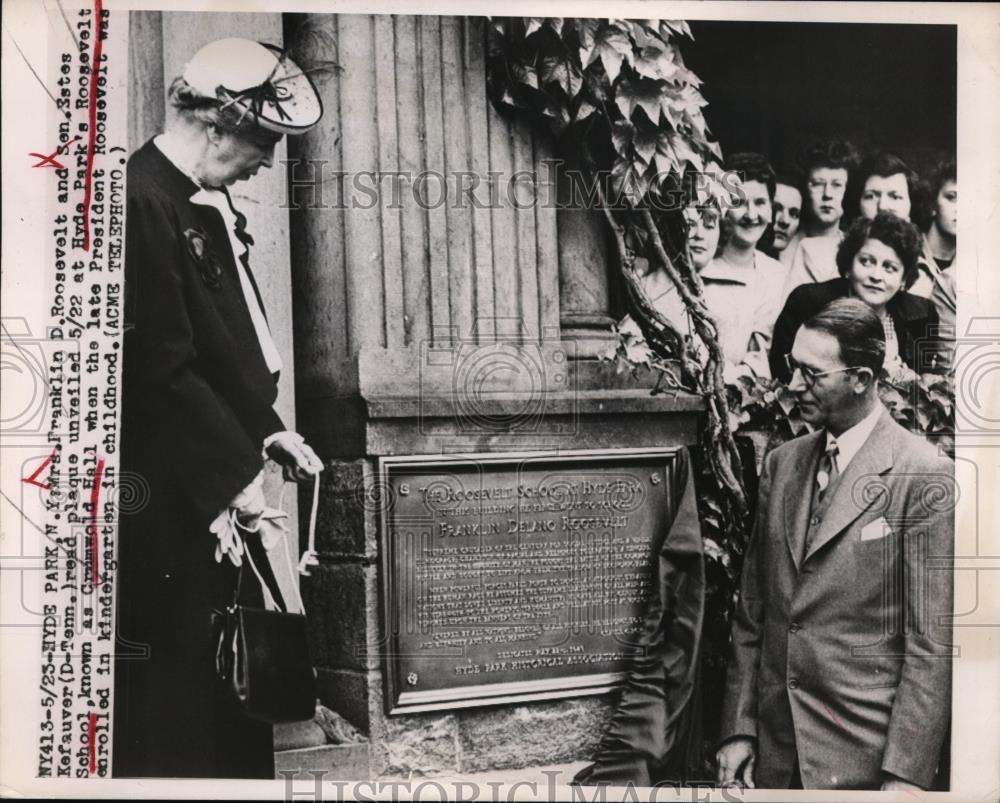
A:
882,165
857,329
753,167
900,235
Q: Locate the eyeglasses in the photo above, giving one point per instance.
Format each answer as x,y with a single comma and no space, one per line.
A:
809,376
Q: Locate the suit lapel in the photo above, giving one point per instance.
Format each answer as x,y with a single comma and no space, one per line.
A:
858,487
796,502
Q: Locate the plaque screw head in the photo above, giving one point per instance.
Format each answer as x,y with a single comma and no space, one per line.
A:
654,478
412,678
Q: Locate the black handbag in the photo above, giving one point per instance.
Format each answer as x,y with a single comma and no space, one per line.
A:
262,656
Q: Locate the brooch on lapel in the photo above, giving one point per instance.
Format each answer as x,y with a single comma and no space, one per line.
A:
201,251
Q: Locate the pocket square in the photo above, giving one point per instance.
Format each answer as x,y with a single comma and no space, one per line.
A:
876,529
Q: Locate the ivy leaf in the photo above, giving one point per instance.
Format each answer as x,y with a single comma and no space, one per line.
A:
556,24
611,46
586,32
643,94
645,34
596,86
684,152
563,73
714,551
673,103
673,152
533,24
507,98
526,74
644,143
669,27
655,59
636,238
558,115
584,111
654,64
638,352
627,181
622,133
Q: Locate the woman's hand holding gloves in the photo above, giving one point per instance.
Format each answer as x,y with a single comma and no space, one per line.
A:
299,462
290,450
249,504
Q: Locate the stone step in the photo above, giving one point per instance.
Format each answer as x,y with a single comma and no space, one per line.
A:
340,762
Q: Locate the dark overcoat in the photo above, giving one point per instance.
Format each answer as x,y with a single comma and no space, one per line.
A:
914,318
196,406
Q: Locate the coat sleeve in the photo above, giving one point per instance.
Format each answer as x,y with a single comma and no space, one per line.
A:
739,707
921,709
193,427
783,336
650,725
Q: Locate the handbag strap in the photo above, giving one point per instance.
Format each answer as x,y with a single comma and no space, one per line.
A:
272,596
311,550
312,517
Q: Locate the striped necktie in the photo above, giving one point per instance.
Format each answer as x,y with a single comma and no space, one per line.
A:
827,473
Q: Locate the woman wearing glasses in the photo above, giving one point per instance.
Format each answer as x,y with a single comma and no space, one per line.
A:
877,262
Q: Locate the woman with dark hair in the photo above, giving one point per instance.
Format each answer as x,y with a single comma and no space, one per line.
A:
199,381
783,237
877,261
939,222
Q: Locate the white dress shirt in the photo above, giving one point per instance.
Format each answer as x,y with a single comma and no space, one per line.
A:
850,441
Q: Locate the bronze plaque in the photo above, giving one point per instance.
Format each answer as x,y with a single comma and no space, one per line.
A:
516,577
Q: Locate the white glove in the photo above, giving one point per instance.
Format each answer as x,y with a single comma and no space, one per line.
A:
248,505
229,542
290,450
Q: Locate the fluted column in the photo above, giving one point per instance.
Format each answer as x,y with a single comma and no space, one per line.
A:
436,239
585,260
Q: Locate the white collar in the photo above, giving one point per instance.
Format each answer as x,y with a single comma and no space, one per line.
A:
850,441
721,270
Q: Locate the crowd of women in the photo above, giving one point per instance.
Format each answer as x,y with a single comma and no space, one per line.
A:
789,241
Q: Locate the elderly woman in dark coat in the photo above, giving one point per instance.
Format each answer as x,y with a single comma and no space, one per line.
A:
200,371
877,262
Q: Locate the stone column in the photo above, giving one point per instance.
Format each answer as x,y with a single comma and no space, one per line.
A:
427,308
585,259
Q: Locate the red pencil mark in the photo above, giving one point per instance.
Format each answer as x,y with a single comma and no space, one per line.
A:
92,743
95,494
47,161
88,179
50,160
33,479
833,717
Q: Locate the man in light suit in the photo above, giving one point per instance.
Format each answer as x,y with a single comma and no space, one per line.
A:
841,660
